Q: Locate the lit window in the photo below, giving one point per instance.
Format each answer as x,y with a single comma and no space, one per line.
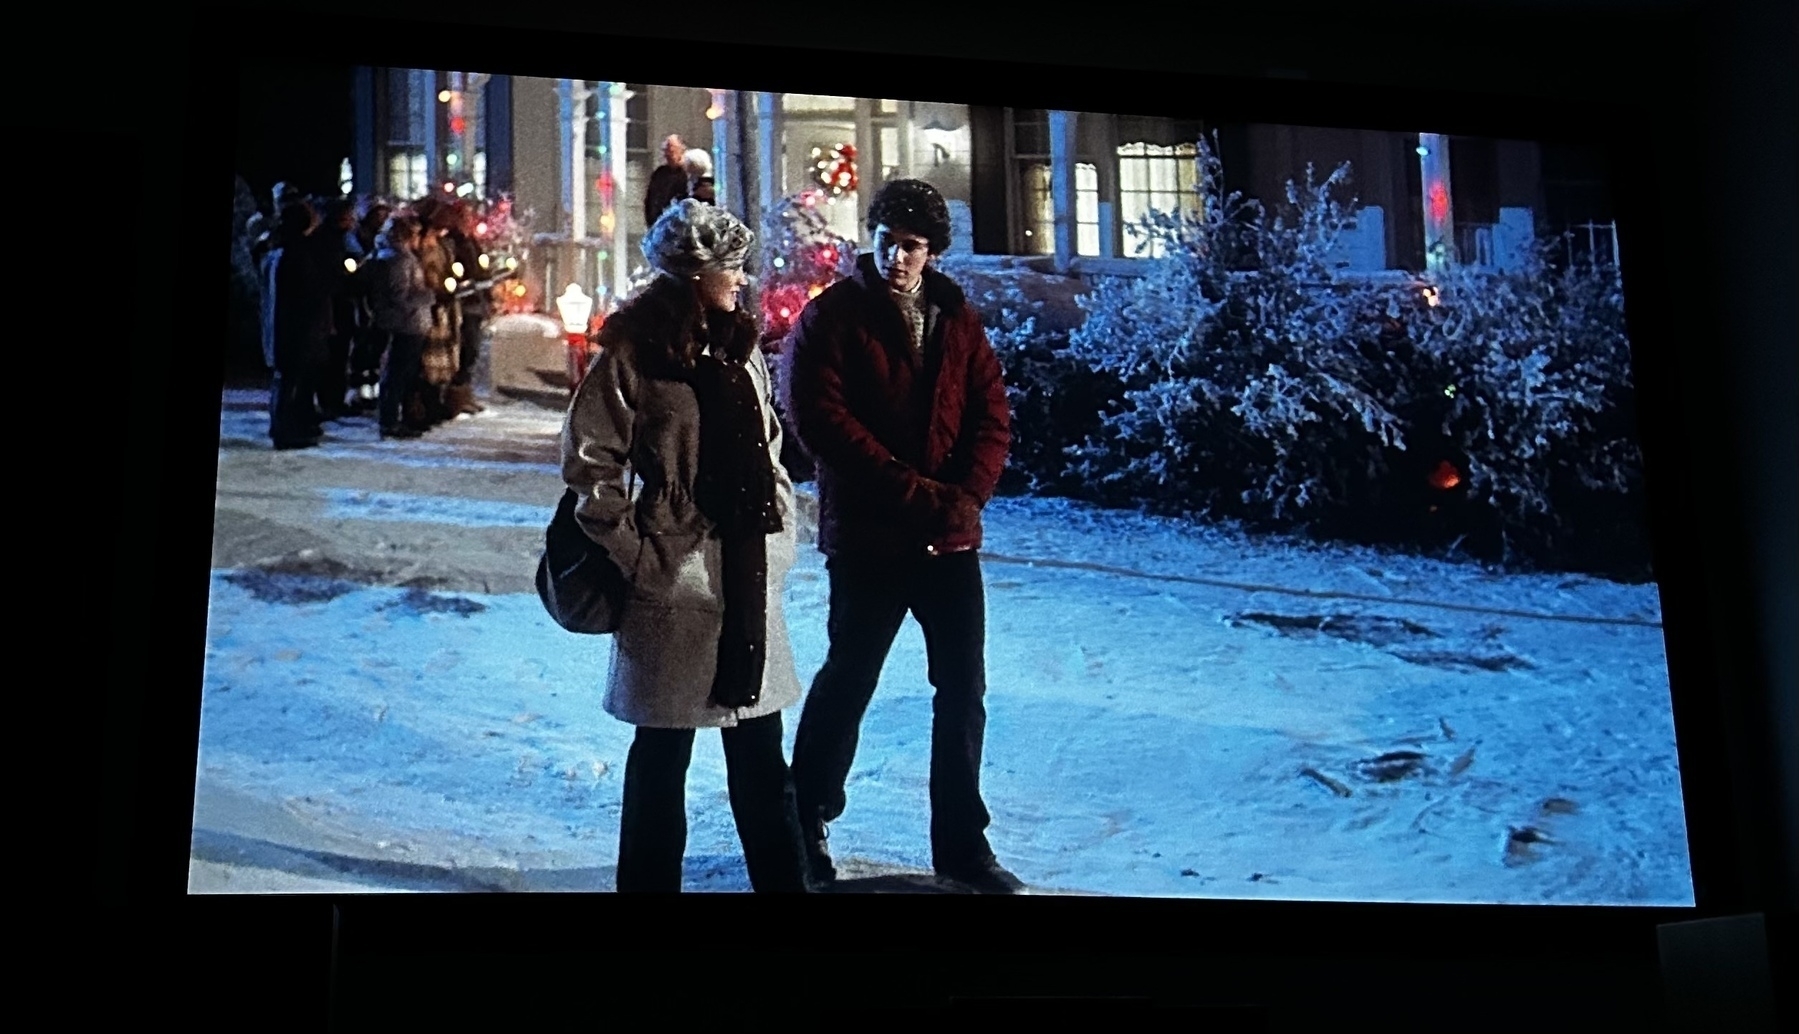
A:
816,102
1153,177
1038,210
406,173
1086,209
480,173
890,153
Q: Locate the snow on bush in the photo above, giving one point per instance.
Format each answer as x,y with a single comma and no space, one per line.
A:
1248,377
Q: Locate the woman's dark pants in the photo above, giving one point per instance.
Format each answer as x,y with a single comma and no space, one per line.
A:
653,829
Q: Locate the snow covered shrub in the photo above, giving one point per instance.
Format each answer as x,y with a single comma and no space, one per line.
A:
1536,365
1255,380
1054,399
1246,386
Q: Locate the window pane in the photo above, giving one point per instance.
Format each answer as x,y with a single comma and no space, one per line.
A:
1133,174
1038,210
1088,244
816,102
890,149
1162,176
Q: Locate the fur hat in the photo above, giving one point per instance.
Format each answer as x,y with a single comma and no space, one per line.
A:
692,235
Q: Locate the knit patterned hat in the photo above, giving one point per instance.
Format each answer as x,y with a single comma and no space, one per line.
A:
692,236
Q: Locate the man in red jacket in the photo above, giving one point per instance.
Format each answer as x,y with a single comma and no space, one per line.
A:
898,396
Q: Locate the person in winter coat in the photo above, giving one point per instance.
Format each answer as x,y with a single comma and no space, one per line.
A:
400,300
443,345
296,325
369,343
700,185
474,294
897,395
668,183
678,404
338,256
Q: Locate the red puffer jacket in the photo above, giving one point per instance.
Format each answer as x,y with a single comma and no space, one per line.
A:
909,444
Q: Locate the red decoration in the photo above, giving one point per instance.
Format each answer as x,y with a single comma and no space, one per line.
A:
837,170
458,125
1439,202
1445,477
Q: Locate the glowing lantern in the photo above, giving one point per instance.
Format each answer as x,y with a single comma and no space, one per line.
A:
574,306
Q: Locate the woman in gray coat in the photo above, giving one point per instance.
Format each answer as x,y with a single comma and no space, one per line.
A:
673,447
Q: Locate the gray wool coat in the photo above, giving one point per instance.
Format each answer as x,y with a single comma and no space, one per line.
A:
622,422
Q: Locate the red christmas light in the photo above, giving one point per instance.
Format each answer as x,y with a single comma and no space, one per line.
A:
1445,477
458,125
1439,202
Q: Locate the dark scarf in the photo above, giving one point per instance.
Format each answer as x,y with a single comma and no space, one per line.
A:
735,490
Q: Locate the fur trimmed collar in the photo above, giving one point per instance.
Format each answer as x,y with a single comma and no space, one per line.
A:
668,330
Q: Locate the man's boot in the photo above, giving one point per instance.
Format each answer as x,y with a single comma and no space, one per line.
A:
820,870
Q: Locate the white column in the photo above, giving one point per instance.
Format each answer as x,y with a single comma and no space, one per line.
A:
1061,184
618,166
724,149
1439,212
428,81
868,160
577,160
565,96
472,113
908,118
768,150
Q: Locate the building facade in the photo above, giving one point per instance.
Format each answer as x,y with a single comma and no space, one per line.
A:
1056,190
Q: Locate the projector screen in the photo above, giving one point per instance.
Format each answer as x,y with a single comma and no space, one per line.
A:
1319,569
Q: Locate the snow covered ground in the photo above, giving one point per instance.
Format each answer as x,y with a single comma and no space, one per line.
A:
1174,710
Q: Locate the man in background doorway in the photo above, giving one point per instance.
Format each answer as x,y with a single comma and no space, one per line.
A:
668,183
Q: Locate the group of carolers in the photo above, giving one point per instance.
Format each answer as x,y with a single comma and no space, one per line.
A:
369,305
